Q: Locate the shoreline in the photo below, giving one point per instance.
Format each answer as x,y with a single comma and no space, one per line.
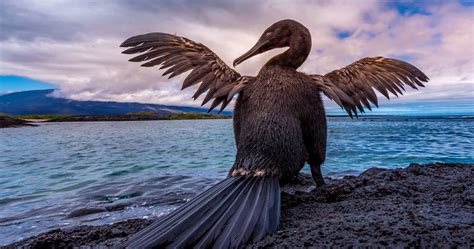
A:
138,117
124,117
417,206
33,120
9,122
25,121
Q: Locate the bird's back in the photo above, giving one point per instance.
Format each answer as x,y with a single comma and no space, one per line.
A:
269,120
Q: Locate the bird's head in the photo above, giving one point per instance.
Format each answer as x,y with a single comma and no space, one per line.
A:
281,34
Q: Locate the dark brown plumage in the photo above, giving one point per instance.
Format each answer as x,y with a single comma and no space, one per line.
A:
279,124
179,55
352,87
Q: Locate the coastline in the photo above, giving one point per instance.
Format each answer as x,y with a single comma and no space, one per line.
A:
137,117
417,206
9,122
33,120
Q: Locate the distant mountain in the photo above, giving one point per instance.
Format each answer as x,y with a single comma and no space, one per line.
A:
41,102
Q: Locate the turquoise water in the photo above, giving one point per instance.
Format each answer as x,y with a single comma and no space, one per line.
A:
145,169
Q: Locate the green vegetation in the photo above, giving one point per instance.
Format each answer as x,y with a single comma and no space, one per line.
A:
37,116
192,116
178,116
143,114
7,121
126,117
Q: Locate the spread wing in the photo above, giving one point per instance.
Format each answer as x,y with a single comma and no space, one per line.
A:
352,87
179,55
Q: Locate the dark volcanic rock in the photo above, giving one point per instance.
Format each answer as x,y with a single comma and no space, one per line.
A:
6,122
100,236
420,206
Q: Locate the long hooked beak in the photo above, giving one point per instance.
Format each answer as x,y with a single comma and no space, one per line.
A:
252,52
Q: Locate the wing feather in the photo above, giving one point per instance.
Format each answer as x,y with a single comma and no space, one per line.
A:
179,55
352,87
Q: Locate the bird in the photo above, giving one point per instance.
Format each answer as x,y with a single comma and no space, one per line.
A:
279,124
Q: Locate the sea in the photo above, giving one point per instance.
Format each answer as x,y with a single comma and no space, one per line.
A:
59,175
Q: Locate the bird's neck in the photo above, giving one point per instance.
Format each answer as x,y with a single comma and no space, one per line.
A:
300,46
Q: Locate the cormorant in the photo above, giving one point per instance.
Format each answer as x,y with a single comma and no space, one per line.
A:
279,124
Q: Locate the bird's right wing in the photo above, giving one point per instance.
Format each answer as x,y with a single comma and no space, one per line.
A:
180,55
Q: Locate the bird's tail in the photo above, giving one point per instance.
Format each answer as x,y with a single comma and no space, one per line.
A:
234,211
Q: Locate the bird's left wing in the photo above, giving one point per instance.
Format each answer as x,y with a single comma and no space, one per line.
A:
180,55
352,87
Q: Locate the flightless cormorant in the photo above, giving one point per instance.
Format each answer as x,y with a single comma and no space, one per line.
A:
279,124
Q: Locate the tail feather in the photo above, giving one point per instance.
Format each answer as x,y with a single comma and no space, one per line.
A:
254,211
208,221
233,212
241,211
220,224
170,226
269,223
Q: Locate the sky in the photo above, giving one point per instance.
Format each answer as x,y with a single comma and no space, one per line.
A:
12,83
74,45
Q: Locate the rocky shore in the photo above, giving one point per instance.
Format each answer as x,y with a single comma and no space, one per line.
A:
7,122
429,205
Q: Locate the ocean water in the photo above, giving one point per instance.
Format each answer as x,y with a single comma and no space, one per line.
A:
122,170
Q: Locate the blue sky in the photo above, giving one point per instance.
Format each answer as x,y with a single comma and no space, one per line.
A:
409,8
51,41
11,83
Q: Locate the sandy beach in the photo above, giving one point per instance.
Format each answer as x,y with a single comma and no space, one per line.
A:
418,206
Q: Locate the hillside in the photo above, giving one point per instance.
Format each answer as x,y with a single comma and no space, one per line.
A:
41,102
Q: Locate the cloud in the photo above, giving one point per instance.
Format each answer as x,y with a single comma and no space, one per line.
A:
74,44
